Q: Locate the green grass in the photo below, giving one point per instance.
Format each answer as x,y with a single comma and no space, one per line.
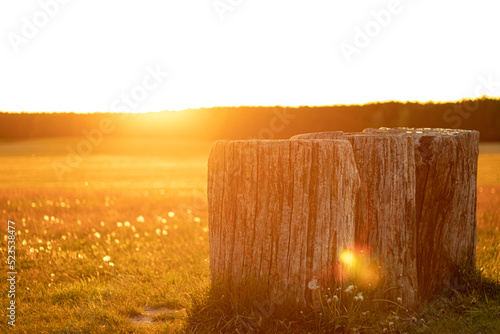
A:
127,231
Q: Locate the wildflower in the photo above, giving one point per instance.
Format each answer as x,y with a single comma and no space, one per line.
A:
117,241
313,284
349,289
119,224
164,232
140,219
359,297
107,258
196,219
329,300
137,235
400,300
335,298
111,264
97,235
205,229
171,214
102,223
126,223
46,218
158,231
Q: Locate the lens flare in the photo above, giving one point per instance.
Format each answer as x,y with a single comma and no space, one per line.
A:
347,258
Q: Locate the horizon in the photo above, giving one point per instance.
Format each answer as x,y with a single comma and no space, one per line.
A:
266,106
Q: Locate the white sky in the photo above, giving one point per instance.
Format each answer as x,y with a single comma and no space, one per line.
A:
90,53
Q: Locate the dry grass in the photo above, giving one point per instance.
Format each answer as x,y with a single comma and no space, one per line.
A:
127,232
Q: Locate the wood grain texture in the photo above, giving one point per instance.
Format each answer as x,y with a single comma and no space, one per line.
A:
446,174
280,212
385,224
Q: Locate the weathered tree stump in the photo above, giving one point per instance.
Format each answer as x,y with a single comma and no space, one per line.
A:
385,214
280,213
446,174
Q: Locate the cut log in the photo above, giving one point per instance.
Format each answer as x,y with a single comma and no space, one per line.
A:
280,214
446,174
321,135
385,214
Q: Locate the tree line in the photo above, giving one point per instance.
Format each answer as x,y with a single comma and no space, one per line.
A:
248,122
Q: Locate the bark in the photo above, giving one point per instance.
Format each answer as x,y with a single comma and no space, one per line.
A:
385,229
446,174
280,213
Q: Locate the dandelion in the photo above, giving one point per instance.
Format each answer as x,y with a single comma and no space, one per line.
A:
171,214
126,223
111,264
97,235
46,218
329,300
133,228
158,231
119,224
313,284
140,219
163,221
359,297
137,235
102,223
197,219
335,298
164,232
117,241
349,289
107,258
400,300
32,250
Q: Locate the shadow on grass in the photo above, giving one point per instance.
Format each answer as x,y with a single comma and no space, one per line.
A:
471,306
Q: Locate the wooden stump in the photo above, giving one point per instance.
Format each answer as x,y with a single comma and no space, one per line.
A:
280,213
385,214
446,174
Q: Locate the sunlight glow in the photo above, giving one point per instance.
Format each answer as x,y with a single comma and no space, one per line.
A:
347,257
189,54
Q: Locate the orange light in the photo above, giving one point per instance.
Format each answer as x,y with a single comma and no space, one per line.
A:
347,257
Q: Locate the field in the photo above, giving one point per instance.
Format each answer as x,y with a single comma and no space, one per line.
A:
119,243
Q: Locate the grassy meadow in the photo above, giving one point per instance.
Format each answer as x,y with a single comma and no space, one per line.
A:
120,244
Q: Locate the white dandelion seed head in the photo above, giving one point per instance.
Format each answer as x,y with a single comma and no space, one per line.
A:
313,284
349,289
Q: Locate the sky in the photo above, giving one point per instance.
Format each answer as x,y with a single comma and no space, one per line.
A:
155,55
